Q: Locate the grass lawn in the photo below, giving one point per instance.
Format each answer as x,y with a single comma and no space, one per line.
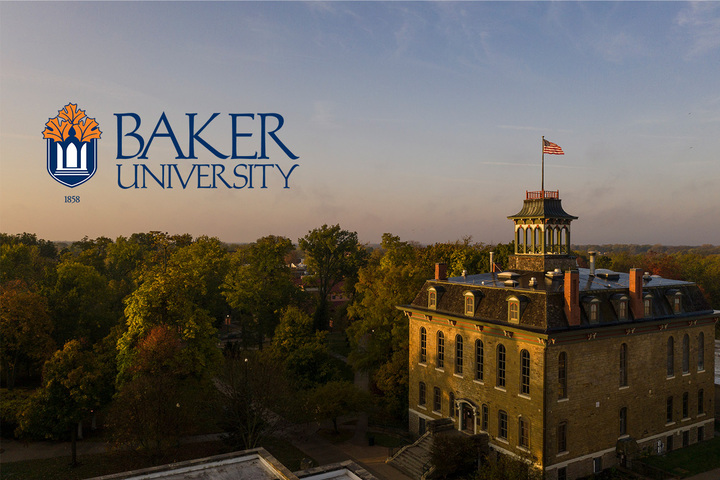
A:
691,460
114,462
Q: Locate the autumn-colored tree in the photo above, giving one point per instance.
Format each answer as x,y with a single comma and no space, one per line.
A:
161,397
25,329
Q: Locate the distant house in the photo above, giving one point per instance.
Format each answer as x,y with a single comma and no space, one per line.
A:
572,369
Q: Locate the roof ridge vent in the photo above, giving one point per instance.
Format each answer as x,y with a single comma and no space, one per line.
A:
557,273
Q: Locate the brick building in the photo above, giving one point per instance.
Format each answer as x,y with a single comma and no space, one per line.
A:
572,369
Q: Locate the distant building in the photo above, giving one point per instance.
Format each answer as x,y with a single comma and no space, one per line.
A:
572,369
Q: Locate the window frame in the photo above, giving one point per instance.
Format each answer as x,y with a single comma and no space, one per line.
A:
623,421
669,410
459,349
701,352
485,418
671,356
562,431
440,350
423,345
562,375
514,310
523,433
432,298
686,405
623,365
701,402
686,354
437,399
479,360
501,365
524,372
502,424
470,304
422,394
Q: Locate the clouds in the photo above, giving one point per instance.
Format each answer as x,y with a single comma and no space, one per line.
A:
701,22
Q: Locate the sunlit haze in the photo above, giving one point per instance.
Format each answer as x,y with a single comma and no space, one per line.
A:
420,119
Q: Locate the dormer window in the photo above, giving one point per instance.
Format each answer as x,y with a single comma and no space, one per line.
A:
675,299
472,298
620,302
647,305
514,311
432,298
592,309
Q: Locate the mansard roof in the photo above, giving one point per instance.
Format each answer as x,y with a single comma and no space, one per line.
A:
544,295
542,208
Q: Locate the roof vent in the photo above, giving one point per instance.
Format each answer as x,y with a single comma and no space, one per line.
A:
508,275
533,282
557,273
510,283
607,274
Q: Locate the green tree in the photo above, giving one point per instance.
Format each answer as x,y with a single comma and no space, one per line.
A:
260,284
333,255
25,329
302,350
80,303
336,398
174,293
71,389
379,331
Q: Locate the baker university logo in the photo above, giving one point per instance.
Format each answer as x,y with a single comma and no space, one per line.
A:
71,146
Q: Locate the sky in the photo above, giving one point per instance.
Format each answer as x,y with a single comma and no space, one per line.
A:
419,119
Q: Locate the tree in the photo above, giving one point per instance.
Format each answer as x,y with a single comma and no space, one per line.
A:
337,398
253,397
80,303
25,328
302,351
333,255
378,332
161,397
71,388
173,294
260,283
454,456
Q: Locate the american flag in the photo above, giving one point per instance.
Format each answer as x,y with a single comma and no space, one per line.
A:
552,148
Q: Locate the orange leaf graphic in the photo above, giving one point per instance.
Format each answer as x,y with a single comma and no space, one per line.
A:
56,129
87,130
71,113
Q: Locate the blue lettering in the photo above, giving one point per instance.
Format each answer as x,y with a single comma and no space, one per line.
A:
131,134
280,120
234,117
239,175
200,175
120,182
286,177
168,133
196,136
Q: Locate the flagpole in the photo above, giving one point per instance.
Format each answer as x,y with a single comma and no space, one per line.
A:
542,146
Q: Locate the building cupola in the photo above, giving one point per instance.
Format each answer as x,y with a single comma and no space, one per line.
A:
542,234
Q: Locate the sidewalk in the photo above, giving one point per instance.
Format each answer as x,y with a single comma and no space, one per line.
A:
711,475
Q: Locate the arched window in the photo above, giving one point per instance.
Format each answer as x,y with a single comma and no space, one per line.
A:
701,352
479,360
423,345
647,304
469,304
501,365
440,350
525,372
562,375
623,365
432,298
421,394
513,311
686,354
458,354
670,357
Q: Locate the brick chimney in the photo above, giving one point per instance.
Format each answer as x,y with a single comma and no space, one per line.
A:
636,295
441,271
572,297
